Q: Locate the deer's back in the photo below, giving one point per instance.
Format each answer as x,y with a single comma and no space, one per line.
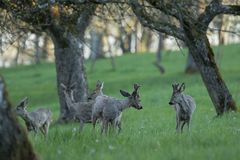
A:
111,112
100,101
109,107
186,108
84,110
105,106
190,103
40,116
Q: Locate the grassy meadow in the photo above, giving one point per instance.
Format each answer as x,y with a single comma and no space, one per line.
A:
148,133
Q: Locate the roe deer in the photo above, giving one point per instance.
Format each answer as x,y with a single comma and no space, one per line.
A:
184,106
81,111
110,109
38,119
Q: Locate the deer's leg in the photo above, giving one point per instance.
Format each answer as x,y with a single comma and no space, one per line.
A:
188,124
94,120
119,127
35,129
106,127
184,122
111,126
42,130
178,123
103,125
46,127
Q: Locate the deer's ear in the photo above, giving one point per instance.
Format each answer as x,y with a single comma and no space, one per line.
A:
73,85
125,94
25,100
99,85
63,86
136,86
23,103
182,87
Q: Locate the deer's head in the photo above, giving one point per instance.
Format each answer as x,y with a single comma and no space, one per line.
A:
134,98
21,107
177,93
97,91
69,90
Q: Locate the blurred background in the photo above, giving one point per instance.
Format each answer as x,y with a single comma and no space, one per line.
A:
107,37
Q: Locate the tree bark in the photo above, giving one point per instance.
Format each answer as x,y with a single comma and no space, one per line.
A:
191,66
45,47
96,45
125,40
159,54
68,39
37,49
203,56
1,44
14,144
69,59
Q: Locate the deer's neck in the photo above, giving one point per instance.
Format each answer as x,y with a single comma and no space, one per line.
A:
26,117
72,96
68,100
124,104
184,104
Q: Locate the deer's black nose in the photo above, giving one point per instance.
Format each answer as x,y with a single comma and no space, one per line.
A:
140,107
171,103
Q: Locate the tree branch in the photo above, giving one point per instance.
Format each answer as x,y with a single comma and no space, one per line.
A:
167,8
213,9
148,21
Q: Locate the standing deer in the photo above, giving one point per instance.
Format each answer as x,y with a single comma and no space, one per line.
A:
81,111
110,109
184,106
38,119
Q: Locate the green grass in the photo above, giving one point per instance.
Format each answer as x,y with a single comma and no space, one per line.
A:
148,133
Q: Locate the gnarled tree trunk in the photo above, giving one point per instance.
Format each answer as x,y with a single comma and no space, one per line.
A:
68,42
203,56
191,66
69,59
14,144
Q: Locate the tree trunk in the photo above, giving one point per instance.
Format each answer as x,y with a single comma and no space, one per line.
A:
18,53
37,49
69,59
21,47
1,44
203,56
68,39
191,67
45,47
149,40
14,142
221,39
96,45
96,48
159,54
125,40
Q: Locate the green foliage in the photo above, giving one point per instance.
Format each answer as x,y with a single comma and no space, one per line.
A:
148,133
